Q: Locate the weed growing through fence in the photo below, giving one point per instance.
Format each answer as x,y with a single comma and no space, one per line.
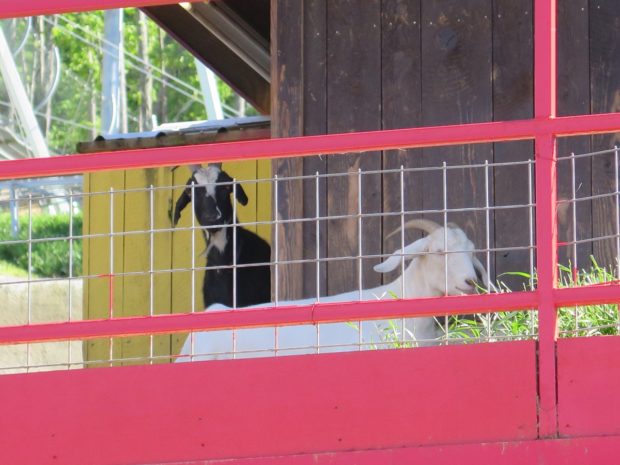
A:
588,320
580,321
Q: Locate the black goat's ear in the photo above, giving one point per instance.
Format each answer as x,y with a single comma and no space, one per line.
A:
240,194
182,201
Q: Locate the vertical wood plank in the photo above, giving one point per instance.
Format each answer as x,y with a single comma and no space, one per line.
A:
401,69
315,122
264,199
605,94
137,258
97,300
512,99
162,242
86,265
286,120
456,88
182,260
574,99
353,104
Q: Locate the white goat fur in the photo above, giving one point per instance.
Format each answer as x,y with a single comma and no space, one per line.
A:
424,276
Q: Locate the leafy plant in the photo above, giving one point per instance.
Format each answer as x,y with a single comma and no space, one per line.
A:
588,320
50,249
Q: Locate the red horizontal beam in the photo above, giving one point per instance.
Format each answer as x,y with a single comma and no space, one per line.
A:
587,295
268,148
303,314
267,316
15,9
310,145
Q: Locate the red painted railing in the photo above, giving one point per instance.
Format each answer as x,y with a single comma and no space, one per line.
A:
543,129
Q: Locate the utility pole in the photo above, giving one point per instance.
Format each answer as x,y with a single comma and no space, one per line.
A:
113,111
210,94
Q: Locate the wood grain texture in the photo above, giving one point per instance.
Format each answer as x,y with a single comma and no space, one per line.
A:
456,88
605,95
401,67
445,63
512,99
353,104
315,122
287,120
574,99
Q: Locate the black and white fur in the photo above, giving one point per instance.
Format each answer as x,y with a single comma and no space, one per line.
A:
214,210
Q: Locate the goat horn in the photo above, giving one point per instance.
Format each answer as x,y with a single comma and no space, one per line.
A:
425,225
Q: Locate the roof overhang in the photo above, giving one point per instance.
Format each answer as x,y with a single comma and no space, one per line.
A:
229,36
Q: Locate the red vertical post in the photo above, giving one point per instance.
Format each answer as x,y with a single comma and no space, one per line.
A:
546,223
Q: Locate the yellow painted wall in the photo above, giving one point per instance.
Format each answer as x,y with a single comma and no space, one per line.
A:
171,250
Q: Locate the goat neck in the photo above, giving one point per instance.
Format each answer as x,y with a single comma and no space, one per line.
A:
216,238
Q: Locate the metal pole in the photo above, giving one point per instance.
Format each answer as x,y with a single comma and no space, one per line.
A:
210,93
21,102
111,110
14,211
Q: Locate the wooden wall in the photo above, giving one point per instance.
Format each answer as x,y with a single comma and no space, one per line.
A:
349,65
171,250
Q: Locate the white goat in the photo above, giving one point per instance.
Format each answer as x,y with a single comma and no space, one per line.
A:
424,276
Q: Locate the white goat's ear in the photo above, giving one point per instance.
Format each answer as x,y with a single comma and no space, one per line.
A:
392,262
479,267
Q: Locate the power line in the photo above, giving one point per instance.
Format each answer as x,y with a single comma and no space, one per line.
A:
232,111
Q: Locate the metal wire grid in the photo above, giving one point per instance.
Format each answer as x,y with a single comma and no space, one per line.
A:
277,262
394,333
577,321
601,319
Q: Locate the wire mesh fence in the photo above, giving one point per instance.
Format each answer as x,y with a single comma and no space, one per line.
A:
137,252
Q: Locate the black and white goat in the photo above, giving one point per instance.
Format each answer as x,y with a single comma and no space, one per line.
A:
212,189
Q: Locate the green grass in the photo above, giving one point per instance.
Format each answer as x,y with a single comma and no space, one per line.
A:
8,269
587,320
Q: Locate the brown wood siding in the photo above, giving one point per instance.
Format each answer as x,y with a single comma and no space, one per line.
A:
315,122
605,93
353,104
573,99
406,63
287,120
401,108
456,88
512,99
